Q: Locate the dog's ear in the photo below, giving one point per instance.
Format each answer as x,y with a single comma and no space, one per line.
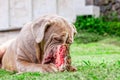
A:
74,29
38,29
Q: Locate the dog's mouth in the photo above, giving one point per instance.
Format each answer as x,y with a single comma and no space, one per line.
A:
56,56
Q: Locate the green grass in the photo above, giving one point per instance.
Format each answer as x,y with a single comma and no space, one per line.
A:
94,61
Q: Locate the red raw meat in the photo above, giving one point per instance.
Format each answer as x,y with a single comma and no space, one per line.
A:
60,55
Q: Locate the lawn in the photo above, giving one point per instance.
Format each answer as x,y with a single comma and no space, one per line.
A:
94,61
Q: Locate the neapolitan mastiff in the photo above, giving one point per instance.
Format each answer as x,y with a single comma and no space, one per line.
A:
41,46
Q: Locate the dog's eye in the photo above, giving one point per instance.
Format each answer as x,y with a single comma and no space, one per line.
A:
58,39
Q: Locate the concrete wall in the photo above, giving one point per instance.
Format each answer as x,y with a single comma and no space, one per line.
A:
15,13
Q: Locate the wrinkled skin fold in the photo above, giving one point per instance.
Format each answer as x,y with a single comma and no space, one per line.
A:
42,46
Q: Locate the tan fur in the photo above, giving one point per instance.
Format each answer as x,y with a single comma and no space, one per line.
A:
27,52
3,48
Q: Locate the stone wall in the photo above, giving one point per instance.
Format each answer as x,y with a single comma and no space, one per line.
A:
106,6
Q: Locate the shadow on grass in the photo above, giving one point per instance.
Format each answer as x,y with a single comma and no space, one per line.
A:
89,37
86,37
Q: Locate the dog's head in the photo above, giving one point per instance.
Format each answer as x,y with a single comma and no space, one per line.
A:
56,35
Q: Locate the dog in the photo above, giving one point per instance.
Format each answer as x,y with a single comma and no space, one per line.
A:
42,46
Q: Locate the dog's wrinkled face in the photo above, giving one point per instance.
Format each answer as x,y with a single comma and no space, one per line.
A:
58,38
56,35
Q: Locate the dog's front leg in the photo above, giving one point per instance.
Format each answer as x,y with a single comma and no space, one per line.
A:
23,66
